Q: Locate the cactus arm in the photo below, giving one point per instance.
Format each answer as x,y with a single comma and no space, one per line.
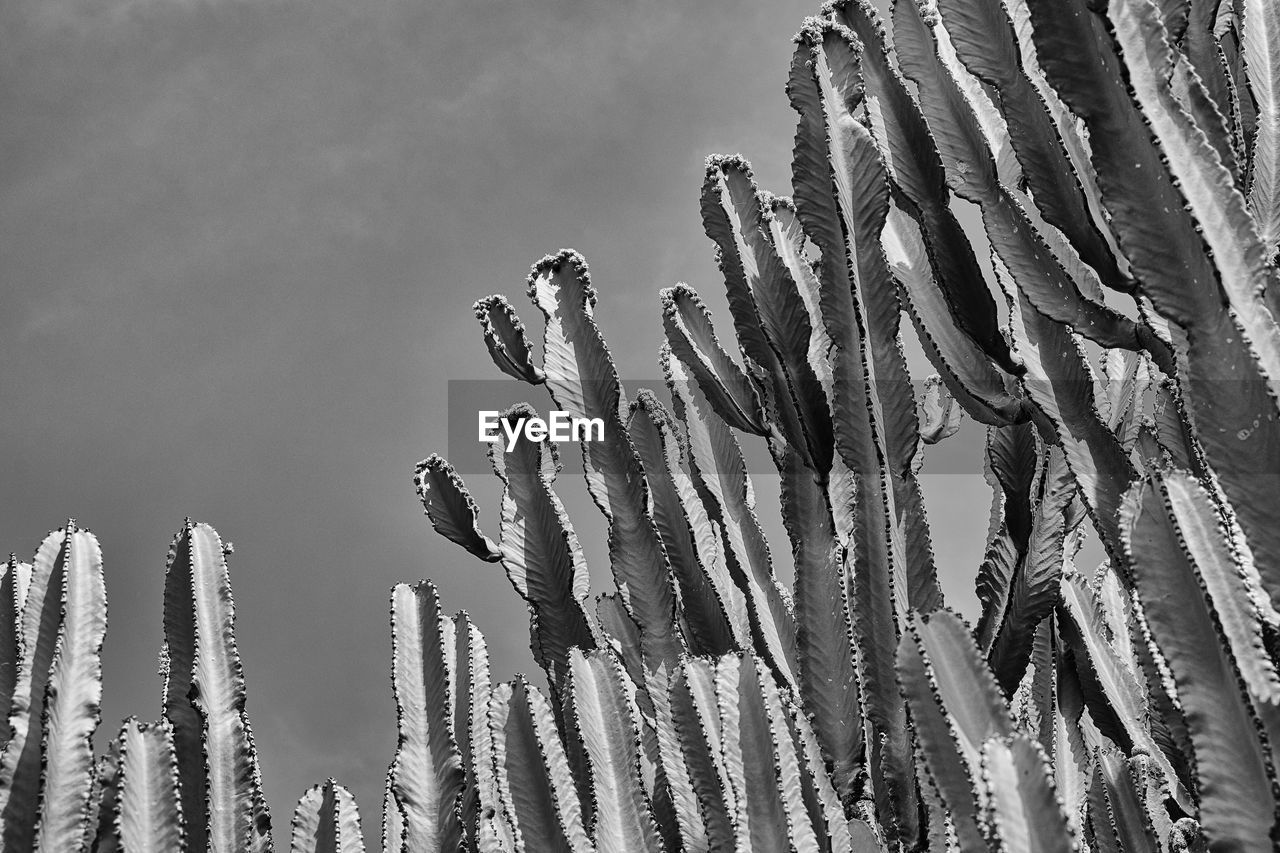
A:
1078,59
326,820
913,162
1100,822
392,816
981,100
695,715
1048,271
875,631
1168,720
1210,551
1235,418
746,320
530,791
1023,809
450,508
817,207
673,491
985,42
1120,798
541,719
1084,631
179,654
482,809
789,239
1101,833
347,817
876,429
1237,804
11,584
205,699
966,156
1120,139
948,768
427,775
1039,274
1059,380
720,475
36,633
894,404
1261,32
759,816
1074,140
1216,204
744,230
21,774
603,719
471,687
1113,606
1072,757
504,337
540,550
702,614
148,817
820,796
693,339
653,432
661,737
1035,588
1041,688
783,769
994,582
1013,467
1152,790
622,634
980,387
583,382
964,682
73,698
824,633
1014,471
1127,380
939,830
675,801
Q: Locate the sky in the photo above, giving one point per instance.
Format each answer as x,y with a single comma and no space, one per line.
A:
240,240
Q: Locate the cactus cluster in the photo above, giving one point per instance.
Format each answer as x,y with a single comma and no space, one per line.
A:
1111,323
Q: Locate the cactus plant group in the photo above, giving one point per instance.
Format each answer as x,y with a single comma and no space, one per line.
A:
1110,320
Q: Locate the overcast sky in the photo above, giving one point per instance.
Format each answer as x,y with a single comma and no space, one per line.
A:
239,242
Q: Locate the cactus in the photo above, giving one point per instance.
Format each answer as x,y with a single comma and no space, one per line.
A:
148,811
327,821
1122,158
46,772
204,700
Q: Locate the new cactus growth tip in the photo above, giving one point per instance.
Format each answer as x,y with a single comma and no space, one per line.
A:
1110,322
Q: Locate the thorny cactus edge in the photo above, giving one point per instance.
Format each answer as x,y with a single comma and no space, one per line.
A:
1112,326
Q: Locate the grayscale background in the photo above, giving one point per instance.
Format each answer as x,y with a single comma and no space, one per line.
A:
239,242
